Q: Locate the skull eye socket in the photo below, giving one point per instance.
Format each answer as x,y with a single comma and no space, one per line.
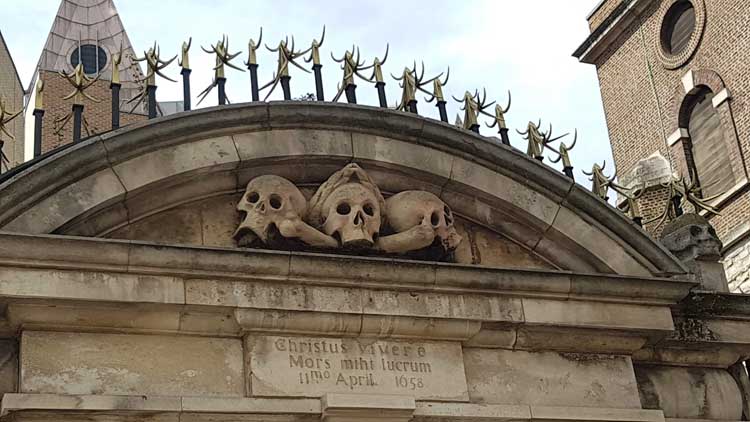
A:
275,201
253,197
369,210
695,231
435,219
343,209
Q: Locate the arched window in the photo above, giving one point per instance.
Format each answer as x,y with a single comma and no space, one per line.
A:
709,148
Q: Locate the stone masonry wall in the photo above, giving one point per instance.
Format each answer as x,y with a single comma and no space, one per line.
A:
12,93
638,92
737,268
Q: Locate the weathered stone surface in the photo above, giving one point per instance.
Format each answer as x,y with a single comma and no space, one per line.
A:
80,363
550,379
365,408
313,366
597,242
595,314
69,202
273,296
690,393
211,153
90,285
293,142
694,241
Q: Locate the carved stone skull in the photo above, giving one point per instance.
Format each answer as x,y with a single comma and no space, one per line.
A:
270,201
417,212
691,236
352,215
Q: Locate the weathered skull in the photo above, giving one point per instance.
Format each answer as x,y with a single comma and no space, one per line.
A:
412,208
691,236
270,201
352,215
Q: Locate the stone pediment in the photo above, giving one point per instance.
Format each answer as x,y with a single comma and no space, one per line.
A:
181,180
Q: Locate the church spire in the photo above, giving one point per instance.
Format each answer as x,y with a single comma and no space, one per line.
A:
88,32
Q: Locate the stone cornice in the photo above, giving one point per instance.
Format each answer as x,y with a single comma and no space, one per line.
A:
64,283
123,408
608,31
122,256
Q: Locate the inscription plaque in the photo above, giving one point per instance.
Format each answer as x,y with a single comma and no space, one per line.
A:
314,366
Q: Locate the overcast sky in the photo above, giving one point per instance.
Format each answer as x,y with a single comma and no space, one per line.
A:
521,46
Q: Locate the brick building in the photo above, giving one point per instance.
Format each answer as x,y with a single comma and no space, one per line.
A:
11,92
675,85
88,32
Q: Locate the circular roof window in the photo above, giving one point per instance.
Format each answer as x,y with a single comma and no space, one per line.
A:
94,58
677,27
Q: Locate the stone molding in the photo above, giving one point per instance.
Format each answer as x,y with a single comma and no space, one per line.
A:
147,288
122,408
108,169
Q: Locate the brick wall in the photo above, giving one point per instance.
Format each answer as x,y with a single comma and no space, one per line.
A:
604,10
640,94
98,115
12,93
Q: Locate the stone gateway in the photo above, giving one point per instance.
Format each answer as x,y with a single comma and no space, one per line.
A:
297,261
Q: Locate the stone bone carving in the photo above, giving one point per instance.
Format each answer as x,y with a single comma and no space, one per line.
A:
691,236
347,211
348,207
418,218
273,202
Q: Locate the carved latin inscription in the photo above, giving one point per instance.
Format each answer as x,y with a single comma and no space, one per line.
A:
282,366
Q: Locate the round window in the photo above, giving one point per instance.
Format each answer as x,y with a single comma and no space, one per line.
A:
678,27
94,58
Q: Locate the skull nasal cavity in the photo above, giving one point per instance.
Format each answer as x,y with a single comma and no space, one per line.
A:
435,219
253,197
275,201
343,209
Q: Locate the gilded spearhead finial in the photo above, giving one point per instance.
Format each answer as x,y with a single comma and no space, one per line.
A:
155,64
410,82
538,140
287,56
80,83
184,61
437,88
498,119
563,152
377,67
600,183
315,49
116,61
252,47
473,104
39,97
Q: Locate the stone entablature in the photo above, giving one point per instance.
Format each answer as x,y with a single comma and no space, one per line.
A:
93,302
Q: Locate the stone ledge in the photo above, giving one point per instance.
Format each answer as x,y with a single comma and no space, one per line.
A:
246,407
130,258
